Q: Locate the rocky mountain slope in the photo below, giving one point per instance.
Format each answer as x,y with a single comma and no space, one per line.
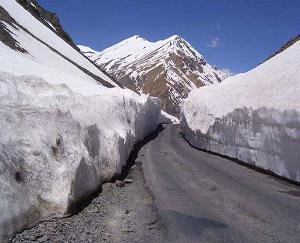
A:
48,18
168,69
259,122
67,127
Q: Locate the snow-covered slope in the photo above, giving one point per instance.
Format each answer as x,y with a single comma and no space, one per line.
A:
48,18
168,69
66,127
254,116
53,58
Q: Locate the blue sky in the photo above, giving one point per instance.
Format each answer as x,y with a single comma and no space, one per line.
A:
232,34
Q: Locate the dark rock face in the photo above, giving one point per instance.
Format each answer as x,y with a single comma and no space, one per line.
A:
47,17
5,35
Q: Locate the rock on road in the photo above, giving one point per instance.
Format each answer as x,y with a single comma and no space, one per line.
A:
206,198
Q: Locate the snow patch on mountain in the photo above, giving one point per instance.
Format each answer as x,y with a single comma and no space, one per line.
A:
253,116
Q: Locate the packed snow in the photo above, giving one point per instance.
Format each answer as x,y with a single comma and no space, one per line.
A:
254,116
63,133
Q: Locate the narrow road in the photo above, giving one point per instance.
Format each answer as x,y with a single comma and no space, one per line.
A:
194,197
205,198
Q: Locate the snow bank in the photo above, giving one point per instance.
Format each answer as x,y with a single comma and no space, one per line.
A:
254,116
62,132
57,147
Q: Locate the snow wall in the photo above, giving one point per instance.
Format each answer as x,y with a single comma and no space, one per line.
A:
57,147
253,117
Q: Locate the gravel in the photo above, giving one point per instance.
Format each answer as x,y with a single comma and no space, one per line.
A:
117,214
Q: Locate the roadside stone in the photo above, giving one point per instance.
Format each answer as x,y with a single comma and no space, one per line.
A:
93,210
133,167
120,183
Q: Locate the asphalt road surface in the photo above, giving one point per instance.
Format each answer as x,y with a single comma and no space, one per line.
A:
202,197
194,196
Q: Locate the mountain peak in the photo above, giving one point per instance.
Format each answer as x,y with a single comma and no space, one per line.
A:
136,38
175,37
168,69
141,38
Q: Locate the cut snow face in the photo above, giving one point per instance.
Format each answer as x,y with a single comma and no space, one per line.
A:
64,132
254,116
59,147
168,69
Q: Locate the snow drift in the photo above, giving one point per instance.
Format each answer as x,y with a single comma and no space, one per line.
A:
65,126
254,117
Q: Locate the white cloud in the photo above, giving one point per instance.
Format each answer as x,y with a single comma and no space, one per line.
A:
213,43
227,71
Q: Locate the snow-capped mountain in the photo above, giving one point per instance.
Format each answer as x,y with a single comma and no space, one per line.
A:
168,69
66,127
253,116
